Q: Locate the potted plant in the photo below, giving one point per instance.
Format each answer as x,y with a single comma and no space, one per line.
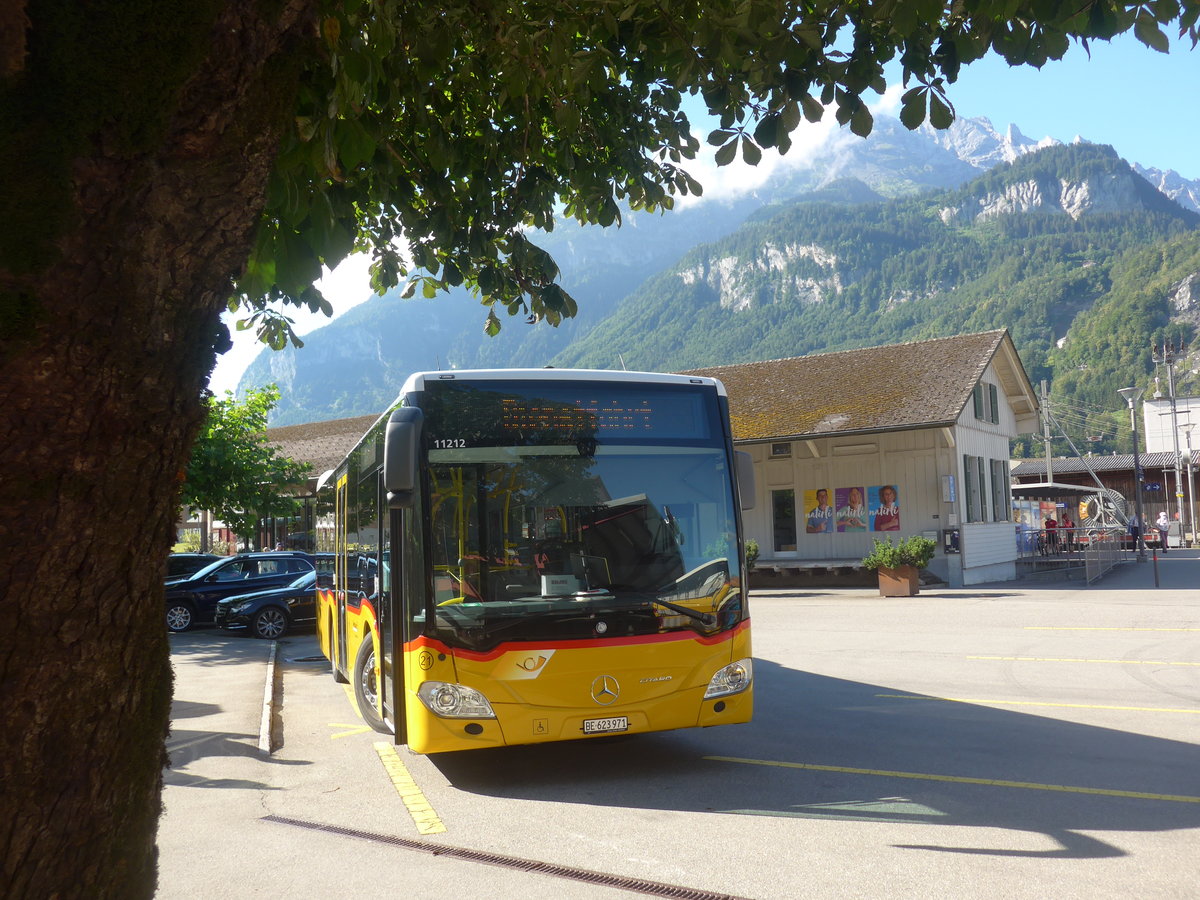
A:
898,565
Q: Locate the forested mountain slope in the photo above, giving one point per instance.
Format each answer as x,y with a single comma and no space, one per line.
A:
1077,255
1080,257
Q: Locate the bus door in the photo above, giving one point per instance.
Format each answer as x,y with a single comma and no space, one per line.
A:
341,571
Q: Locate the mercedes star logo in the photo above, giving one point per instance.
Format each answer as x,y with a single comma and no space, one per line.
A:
605,690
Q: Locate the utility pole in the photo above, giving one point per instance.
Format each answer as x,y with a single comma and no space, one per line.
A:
1167,355
1046,432
1132,395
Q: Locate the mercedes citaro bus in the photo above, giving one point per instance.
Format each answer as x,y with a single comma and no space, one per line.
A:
541,555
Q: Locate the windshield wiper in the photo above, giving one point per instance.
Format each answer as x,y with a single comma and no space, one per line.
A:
706,618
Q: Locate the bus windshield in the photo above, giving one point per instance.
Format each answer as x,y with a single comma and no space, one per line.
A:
583,540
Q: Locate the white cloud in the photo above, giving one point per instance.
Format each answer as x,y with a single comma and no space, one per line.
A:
345,288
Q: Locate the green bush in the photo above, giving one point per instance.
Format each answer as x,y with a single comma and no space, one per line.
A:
911,551
751,554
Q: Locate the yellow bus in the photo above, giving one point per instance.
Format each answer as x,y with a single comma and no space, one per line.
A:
525,556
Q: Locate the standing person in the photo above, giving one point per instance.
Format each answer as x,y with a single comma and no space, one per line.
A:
1162,524
1067,529
1051,534
1135,530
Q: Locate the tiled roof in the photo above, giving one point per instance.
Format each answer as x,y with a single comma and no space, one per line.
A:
915,385
1071,465
324,444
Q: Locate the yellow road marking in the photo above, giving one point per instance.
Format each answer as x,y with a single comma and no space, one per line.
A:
1097,628
985,702
958,779
422,813
354,729
1123,662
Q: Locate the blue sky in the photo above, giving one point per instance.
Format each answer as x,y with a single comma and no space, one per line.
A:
1142,102
1138,100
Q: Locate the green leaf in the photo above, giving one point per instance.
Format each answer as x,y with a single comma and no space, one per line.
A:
751,155
1147,31
813,109
941,113
724,156
912,108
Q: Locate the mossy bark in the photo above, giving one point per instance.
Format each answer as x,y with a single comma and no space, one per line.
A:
142,210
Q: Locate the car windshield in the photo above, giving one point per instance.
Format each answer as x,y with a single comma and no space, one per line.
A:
201,574
308,579
551,543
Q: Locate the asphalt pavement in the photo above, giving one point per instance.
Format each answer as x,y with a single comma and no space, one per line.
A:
266,794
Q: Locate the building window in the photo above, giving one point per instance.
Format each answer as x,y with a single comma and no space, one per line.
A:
783,519
781,450
975,479
985,399
1001,492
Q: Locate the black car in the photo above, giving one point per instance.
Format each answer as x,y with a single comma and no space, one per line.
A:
270,613
194,600
181,565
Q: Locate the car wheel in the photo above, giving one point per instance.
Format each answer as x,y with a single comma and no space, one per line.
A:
270,623
366,686
180,616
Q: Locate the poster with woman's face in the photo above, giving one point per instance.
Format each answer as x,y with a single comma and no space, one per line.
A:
851,506
818,512
884,503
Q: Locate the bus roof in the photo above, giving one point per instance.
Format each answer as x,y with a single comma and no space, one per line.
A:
416,381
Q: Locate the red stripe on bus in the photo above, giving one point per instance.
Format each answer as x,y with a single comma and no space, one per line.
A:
521,646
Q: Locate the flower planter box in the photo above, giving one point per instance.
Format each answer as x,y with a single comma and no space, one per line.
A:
899,582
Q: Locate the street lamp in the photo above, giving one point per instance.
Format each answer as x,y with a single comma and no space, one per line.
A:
1132,395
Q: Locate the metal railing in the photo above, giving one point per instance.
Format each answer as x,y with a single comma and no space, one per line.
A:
1096,550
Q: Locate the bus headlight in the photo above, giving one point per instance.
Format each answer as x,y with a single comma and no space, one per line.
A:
454,701
732,679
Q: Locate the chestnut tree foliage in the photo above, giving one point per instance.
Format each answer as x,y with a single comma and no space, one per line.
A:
165,160
460,127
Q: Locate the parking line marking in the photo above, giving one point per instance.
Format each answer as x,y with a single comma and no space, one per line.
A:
959,779
985,702
422,813
1097,628
1122,662
353,730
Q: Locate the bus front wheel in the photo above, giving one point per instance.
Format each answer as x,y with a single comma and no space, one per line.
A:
366,686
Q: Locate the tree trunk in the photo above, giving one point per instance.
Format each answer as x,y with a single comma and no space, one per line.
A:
136,143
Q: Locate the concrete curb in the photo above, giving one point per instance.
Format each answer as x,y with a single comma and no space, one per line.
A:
268,707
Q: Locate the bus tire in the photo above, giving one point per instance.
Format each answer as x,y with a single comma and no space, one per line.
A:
334,670
366,690
180,616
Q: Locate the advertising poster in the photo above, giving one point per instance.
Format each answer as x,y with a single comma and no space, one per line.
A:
851,503
818,512
884,501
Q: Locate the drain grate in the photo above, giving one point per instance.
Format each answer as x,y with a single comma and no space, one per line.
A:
636,885
307,659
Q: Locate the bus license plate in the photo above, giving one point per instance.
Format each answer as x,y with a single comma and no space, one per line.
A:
601,726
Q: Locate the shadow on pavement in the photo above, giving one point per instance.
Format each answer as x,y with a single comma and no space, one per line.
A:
824,747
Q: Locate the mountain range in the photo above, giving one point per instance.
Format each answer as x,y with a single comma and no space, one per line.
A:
904,236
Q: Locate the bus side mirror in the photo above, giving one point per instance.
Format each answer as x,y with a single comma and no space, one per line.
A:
401,455
745,478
